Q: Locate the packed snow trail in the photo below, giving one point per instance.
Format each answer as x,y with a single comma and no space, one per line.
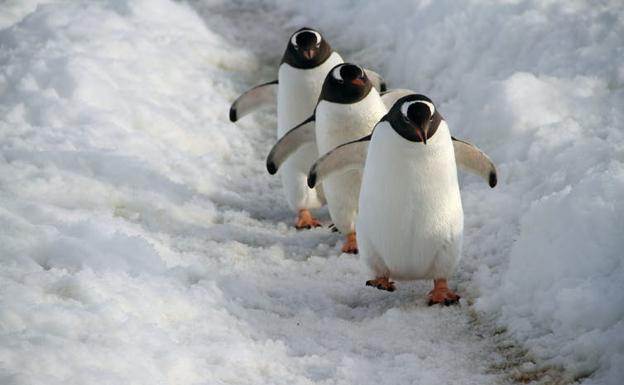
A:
143,241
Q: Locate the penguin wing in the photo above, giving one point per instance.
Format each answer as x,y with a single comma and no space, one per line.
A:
253,99
470,158
289,143
377,80
391,96
348,156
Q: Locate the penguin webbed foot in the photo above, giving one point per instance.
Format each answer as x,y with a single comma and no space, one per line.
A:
442,295
305,220
381,283
445,301
350,244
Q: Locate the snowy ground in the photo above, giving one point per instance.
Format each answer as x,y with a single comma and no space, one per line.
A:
143,242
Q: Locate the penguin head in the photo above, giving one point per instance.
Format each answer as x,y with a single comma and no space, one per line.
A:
306,49
345,83
414,117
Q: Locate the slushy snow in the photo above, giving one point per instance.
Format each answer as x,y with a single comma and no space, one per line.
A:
143,242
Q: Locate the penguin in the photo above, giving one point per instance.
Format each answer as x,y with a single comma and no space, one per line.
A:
348,108
410,216
307,59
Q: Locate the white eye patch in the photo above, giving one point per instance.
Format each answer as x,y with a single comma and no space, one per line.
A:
336,73
293,39
407,105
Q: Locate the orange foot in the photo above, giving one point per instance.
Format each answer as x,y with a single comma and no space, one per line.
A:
381,283
305,220
350,244
441,294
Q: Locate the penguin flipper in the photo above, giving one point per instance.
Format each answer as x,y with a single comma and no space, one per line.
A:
377,80
252,99
389,97
289,143
472,159
348,156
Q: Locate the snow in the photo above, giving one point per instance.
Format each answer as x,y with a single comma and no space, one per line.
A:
143,242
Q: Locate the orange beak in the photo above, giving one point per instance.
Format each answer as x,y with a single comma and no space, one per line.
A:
422,133
309,54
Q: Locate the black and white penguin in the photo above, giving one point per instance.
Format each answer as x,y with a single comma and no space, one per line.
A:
307,59
348,108
410,216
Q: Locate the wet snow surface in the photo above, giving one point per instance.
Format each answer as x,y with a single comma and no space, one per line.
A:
142,241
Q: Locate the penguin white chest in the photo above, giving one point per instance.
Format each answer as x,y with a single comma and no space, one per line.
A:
337,124
410,221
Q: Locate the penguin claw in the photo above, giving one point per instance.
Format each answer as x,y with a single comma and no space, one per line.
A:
446,302
381,283
299,226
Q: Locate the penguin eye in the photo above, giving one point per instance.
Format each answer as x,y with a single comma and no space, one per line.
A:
293,39
336,74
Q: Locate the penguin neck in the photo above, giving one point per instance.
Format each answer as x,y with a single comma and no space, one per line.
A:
388,137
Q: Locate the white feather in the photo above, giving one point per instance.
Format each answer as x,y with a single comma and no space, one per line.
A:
297,96
406,106
410,220
336,73
293,39
337,124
